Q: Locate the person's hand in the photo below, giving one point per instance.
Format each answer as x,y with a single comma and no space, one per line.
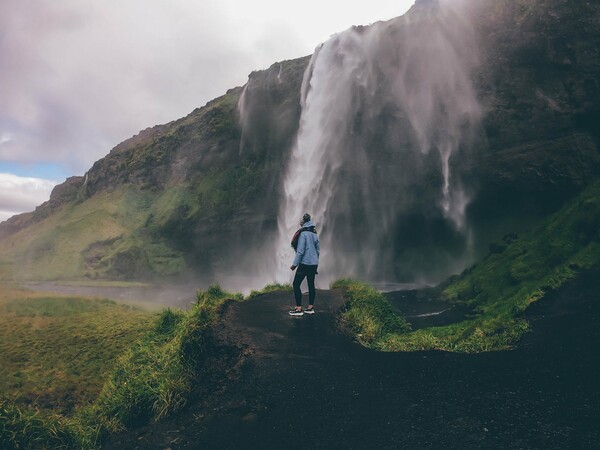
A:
293,268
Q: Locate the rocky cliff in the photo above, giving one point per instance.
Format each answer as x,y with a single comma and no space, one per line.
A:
539,83
202,193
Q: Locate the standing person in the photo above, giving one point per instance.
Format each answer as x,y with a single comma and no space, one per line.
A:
306,244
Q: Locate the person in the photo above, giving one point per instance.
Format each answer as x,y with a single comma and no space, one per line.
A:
307,246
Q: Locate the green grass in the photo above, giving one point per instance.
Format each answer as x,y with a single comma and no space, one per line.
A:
105,283
521,271
270,288
22,428
54,249
368,315
102,237
57,351
154,377
149,380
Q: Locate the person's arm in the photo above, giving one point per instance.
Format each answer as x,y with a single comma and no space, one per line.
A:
318,246
299,251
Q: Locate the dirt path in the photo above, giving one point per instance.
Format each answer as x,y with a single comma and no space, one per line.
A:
304,385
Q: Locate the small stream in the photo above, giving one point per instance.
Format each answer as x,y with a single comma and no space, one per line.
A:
424,311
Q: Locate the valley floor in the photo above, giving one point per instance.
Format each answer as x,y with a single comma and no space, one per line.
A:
302,384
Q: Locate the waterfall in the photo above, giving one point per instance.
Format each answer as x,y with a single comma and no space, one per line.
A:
389,118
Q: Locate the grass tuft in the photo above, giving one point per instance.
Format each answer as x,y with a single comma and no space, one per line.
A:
270,288
368,314
22,428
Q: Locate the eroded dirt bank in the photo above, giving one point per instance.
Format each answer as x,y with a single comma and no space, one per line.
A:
302,384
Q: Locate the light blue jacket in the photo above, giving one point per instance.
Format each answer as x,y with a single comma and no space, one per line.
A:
308,247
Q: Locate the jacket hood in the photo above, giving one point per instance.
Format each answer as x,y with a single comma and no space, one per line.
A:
308,224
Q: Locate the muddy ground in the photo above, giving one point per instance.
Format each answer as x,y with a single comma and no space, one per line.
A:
303,384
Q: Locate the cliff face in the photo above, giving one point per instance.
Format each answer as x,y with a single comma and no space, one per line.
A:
202,193
181,196
538,76
538,82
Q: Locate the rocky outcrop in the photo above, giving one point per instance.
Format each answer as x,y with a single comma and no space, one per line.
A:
539,71
14,224
563,164
67,192
538,81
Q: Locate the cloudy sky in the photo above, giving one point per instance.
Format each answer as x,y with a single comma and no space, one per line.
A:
78,77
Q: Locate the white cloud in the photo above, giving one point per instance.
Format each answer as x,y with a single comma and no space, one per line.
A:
5,138
22,194
80,77
5,215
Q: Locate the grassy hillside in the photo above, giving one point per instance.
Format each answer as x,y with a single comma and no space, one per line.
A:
138,231
176,197
520,270
135,233
97,238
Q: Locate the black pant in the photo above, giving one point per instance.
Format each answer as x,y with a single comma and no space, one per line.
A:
309,272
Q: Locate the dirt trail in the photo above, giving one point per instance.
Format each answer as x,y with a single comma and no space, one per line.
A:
305,385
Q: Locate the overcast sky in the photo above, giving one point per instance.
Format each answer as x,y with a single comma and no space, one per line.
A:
78,77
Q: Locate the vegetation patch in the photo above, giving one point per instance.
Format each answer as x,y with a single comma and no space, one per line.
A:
57,351
518,272
107,236
54,307
105,283
368,315
23,428
151,379
271,288
154,377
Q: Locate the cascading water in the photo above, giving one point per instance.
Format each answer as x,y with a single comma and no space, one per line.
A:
389,116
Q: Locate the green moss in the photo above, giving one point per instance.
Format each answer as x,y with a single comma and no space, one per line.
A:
166,204
541,260
219,119
218,193
107,236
